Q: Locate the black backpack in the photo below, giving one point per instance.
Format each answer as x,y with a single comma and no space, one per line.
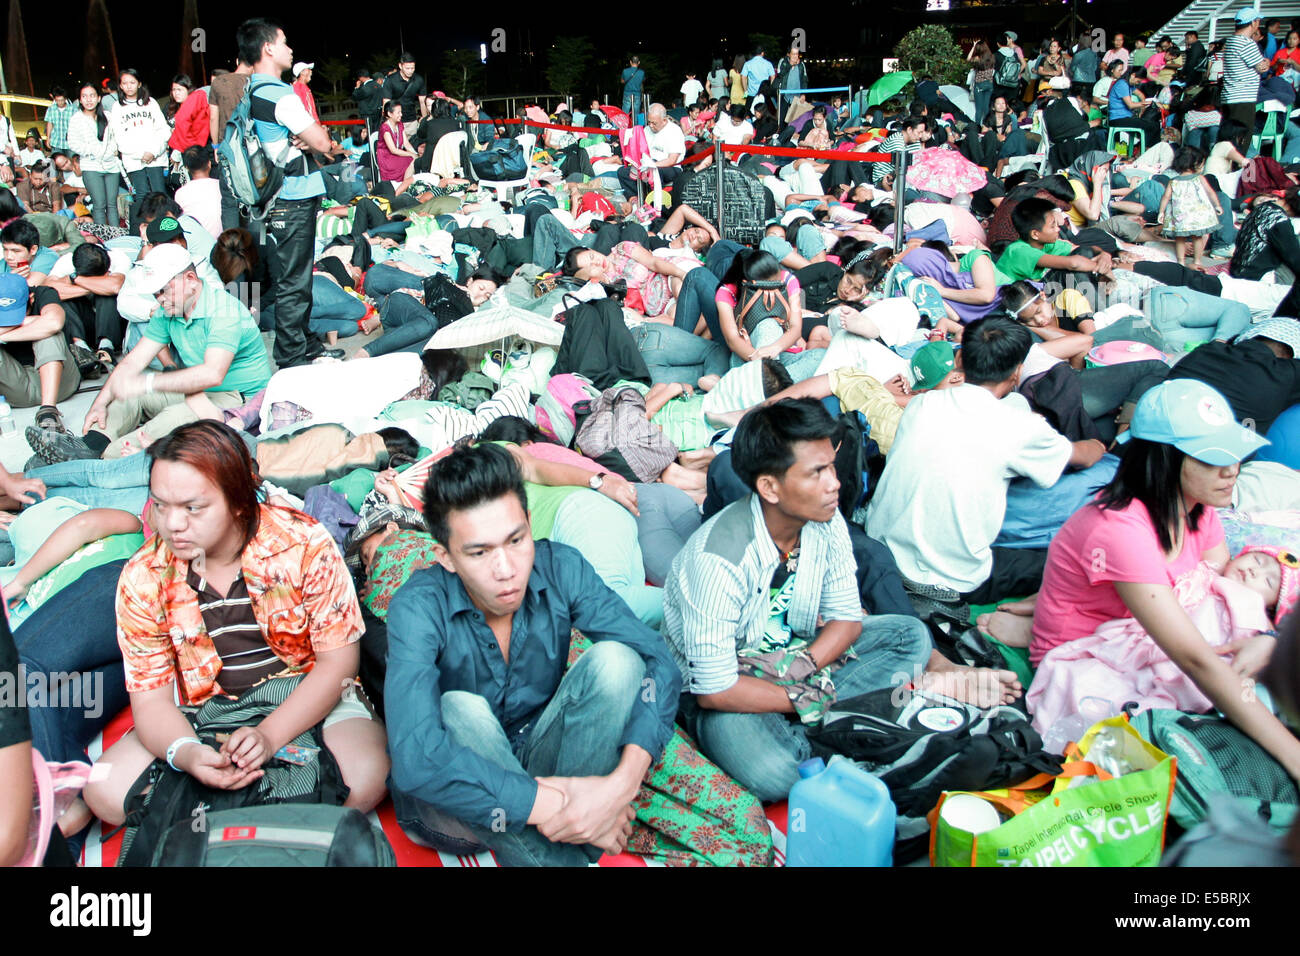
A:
858,461
920,744
162,798
1008,71
278,835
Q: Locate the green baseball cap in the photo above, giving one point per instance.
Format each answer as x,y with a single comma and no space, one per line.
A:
930,364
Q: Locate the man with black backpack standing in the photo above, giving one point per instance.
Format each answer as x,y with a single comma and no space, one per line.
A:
1006,72
285,129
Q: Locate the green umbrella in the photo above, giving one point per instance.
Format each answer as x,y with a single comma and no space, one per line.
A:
887,86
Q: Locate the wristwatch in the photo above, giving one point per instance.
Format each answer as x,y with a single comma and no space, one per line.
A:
596,480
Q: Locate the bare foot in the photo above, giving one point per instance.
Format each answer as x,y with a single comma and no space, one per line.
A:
708,382
980,686
1013,630
370,323
360,353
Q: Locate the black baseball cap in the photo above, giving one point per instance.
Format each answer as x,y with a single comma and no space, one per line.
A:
163,229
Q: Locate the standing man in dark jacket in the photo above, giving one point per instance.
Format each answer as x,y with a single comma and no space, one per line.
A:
368,93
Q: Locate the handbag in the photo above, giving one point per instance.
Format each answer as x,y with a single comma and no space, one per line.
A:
1108,807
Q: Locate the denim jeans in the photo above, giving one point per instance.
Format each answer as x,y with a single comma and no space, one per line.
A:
1182,316
668,517
666,176
1106,389
605,533
382,280
99,483
1203,138
291,231
552,239
983,98
577,735
229,207
332,309
674,355
150,179
762,752
49,643
408,326
103,196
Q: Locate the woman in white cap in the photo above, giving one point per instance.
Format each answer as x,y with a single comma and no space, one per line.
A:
1124,554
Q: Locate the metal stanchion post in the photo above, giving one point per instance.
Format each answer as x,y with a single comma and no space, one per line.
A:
900,171
718,163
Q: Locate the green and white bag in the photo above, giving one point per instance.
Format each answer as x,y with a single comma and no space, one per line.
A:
1108,807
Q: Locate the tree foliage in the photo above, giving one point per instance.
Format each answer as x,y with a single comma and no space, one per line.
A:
462,73
567,63
932,50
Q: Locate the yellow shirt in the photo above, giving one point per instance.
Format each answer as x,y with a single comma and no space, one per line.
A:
859,392
1082,195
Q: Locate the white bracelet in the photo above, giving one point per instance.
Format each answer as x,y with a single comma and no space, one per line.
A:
176,745
148,382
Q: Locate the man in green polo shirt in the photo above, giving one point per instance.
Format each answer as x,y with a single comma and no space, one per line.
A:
212,335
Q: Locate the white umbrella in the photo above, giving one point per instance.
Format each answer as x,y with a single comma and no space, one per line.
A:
960,98
496,323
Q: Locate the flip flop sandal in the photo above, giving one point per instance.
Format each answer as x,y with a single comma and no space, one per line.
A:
105,359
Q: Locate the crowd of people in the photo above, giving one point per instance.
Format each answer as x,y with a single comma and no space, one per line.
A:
611,492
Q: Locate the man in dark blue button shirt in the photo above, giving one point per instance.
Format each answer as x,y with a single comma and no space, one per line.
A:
493,743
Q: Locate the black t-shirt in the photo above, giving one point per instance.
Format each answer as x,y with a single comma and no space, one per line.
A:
1257,384
14,726
406,92
819,283
39,299
431,130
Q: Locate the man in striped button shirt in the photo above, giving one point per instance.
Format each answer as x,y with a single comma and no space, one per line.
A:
775,571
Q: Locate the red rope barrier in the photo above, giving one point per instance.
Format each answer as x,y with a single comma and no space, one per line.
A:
845,155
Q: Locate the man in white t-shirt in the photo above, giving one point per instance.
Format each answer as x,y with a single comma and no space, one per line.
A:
942,497
665,148
691,89
734,129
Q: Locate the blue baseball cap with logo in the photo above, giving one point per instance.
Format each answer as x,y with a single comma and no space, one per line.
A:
1247,15
1195,419
13,300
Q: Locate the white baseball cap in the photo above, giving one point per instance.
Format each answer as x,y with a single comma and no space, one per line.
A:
160,266
300,66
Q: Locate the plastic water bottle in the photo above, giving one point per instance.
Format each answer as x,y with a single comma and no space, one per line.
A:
7,424
840,815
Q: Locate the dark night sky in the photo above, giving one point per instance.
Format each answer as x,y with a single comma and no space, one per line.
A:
842,29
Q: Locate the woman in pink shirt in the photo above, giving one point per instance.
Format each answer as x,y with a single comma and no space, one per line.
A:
1124,554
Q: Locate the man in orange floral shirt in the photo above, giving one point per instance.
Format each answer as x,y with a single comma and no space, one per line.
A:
227,594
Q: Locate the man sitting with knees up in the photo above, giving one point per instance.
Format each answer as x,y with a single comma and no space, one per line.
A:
761,610
493,743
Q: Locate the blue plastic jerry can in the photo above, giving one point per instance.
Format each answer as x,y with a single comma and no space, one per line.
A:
840,815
